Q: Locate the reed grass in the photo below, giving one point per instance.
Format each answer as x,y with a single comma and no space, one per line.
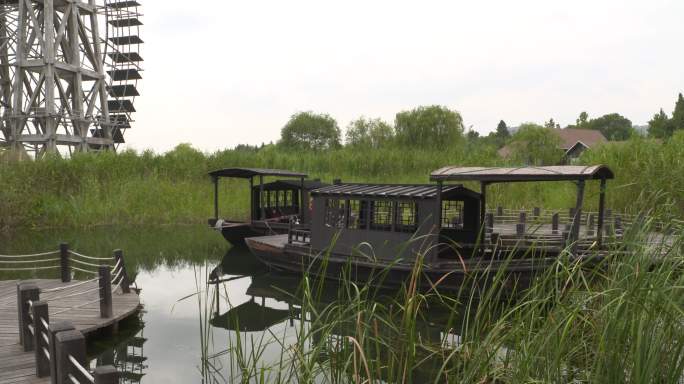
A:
132,188
618,320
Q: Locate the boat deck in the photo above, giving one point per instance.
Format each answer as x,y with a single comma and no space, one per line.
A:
17,366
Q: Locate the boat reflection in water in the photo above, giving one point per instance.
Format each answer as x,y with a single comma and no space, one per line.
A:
274,301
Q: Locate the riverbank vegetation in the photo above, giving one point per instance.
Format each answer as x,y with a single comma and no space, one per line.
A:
147,188
132,188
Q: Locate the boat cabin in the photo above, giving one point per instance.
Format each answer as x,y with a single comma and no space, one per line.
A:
281,198
387,221
390,221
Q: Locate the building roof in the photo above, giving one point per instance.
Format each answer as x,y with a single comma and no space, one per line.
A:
570,137
412,191
246,173
588,137
499,174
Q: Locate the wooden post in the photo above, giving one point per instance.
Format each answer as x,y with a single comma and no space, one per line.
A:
601,212
566,238
216,199
555,220
536,212
522,218
499,211
251,198
590,225
53,329
261,198
217,297
494,238
26,292
520,229
65,268
106,374
438,215
438,219
618,224
40,314
105,291
301,199
489,220
69,343
574,234
483,202
124,279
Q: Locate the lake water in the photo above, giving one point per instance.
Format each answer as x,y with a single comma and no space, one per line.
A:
179,336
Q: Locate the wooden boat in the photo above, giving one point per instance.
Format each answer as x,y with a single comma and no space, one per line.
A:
379,233
273,205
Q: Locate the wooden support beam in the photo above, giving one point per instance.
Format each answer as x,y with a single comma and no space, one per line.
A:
65,267
489,222
520,229
124,279
105,281
555,220
301,199
53,329
40,319
252,216
574,234
26,292
483,202
261,197
536,212
69,344
216,199
601,212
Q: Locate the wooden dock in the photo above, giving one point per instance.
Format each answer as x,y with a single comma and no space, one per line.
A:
17,366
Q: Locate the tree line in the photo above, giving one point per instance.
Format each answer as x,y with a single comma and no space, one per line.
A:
438,126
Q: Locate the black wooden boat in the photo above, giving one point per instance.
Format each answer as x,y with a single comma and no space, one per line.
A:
376,233
273,205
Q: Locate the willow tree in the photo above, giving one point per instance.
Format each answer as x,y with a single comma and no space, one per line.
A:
429,127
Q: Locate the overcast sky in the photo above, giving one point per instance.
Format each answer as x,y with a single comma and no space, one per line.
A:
221,73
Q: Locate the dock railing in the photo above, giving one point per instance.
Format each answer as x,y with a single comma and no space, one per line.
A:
60,349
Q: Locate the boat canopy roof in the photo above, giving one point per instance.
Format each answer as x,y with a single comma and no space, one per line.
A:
499,174
250,317
410,191
291,184
246,173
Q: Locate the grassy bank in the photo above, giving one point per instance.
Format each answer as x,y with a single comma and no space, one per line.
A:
146,188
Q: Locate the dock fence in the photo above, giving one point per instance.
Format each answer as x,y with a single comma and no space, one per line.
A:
60,349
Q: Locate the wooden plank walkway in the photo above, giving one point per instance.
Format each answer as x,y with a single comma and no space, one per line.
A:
17,366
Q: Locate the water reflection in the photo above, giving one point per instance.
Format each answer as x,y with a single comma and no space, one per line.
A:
208,312
274,308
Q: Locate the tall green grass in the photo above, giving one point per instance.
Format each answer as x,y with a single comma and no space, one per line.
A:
616,321
146,188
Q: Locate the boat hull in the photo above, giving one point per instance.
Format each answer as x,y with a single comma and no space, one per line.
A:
511,274
235,232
